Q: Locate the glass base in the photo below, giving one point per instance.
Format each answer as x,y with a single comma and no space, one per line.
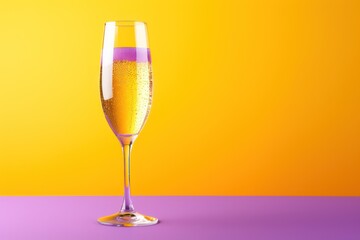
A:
128,219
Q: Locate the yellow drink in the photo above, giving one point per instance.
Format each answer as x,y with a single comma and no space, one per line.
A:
126,111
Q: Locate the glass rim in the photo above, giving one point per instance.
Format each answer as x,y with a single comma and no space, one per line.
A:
124,22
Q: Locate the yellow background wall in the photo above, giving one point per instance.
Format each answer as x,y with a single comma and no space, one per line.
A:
251,98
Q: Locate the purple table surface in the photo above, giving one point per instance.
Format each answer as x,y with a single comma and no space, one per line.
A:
185,218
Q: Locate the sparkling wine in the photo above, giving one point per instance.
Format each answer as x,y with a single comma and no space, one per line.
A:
126,93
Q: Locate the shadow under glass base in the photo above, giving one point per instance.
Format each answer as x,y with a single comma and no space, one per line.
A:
128,219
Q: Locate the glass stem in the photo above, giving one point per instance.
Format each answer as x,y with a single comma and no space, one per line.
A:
127,203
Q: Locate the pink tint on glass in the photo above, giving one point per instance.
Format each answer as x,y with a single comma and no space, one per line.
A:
132,54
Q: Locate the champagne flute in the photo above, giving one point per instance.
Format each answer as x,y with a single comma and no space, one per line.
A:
126,92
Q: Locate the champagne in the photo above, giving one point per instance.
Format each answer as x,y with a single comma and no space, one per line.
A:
126,92
126,99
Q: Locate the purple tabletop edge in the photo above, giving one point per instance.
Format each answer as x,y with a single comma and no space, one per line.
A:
186,218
